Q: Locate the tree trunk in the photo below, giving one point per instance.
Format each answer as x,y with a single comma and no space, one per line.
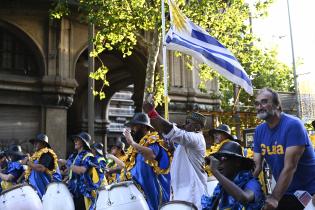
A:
152,60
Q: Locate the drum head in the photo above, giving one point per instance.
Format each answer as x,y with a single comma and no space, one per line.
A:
15,187
186,203
53,183
120,184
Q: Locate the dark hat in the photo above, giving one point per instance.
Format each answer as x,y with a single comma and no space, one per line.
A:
223,128
140,118
195,116
120,145
16,151
40,138
98,148
234,149
85,137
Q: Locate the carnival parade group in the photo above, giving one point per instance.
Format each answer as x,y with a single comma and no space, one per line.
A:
170,162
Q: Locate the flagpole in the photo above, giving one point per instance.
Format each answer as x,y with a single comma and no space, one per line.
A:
164,62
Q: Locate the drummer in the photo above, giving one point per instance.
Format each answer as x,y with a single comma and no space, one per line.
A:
220,135
148,161
13,169
237,187
116,160
97,151
42,165
82,170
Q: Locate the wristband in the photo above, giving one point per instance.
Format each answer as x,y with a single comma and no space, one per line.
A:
153,114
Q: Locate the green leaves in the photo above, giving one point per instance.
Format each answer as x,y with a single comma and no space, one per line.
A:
100,74
121,23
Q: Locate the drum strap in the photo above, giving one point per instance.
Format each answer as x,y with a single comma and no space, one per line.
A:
70,172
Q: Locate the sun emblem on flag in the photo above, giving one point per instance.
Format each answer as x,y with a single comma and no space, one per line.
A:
178,19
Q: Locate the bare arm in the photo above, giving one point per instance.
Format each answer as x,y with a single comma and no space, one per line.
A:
34,166
37,167
291,159
258,159
147,153
6,177
120,163
243,196
160,124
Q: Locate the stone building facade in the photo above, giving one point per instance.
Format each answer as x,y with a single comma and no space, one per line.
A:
43,78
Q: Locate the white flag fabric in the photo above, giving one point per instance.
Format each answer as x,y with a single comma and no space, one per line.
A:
184,36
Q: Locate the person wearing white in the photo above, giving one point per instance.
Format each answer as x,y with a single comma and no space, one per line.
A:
188,177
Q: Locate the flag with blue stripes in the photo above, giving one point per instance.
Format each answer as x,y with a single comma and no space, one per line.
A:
184,36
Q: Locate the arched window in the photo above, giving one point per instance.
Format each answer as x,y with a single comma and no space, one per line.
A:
15,56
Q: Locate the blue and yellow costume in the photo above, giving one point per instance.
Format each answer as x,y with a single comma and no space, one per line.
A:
14,168
152,175
244,180
101,163
84,184
40,180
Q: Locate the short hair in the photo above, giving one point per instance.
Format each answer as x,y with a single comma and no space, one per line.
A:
275,97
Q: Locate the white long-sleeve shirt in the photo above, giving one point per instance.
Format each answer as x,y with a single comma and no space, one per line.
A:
188,178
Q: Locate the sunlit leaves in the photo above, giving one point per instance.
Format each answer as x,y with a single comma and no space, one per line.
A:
100,74
120,22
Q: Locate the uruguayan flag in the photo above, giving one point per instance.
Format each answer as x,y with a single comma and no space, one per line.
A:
186,37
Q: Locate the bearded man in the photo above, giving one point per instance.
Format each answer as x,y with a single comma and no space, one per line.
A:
283,142
148,161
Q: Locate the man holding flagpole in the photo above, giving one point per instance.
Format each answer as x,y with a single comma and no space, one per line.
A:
188,177
186,37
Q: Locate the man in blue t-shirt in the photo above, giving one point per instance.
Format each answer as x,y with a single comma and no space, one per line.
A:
283,141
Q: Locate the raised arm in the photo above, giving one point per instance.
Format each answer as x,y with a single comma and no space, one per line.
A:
243,196
147,153
119,163
160,124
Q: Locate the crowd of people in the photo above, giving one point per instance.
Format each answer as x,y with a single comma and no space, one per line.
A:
170,162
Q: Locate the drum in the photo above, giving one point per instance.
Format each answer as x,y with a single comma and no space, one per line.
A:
20,197
57,196
178,205
211,184
119,196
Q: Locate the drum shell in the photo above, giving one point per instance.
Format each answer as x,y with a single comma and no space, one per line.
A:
20,197
178,205
124,195
57,196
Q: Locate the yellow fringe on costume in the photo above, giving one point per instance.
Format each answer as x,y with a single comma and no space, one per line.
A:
37,155
131,154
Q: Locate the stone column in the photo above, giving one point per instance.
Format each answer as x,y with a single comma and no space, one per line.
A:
56,130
